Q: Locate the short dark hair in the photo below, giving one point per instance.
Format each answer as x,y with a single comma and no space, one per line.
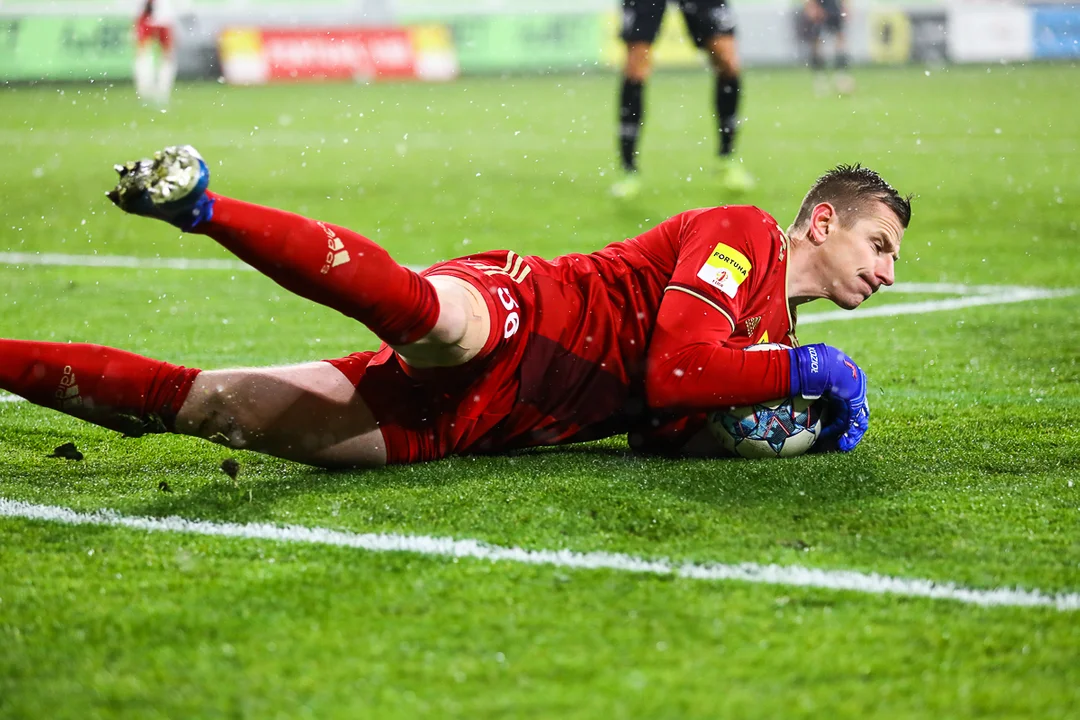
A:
851,189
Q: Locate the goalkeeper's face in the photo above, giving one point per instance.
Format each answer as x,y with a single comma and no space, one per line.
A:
861,251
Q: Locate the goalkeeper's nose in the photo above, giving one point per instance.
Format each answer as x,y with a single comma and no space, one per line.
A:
885,272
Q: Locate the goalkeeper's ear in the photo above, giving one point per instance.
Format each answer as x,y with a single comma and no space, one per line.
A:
822,219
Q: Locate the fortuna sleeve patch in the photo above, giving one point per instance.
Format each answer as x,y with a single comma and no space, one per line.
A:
726,269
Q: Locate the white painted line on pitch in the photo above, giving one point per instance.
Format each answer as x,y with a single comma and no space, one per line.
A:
1003,295
159,263
918,308
973,295
792,575
128,261
951,288
119,261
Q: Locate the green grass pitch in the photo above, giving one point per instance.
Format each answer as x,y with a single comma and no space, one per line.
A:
970,473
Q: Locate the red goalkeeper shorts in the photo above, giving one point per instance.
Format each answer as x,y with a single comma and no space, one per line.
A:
430,413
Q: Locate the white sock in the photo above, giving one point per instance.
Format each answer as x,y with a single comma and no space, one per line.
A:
144,73
166,76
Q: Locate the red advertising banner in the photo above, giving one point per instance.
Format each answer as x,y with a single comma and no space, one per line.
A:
261,55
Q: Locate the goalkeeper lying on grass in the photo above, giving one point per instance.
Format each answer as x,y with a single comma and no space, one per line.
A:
499,351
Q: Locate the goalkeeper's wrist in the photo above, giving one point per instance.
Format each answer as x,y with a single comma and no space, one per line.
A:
809,374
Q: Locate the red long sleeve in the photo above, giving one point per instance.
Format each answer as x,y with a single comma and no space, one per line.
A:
690,369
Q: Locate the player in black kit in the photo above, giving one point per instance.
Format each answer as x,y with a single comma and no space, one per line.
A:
827,17
712,28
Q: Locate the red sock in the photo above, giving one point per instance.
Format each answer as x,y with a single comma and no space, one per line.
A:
331,265
112,388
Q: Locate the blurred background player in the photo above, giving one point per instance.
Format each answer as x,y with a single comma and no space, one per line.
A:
712,28
155,58
824,18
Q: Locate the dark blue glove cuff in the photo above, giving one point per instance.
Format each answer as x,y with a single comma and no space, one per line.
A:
200,213
809,371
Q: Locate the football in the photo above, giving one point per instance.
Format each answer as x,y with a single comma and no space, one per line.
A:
785,427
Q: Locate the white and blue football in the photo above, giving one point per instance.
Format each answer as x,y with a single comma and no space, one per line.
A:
785,427
780,428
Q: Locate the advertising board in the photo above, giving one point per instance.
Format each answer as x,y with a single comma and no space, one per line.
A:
990,33
251,56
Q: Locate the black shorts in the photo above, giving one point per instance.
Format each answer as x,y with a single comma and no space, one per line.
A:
705,19
833,22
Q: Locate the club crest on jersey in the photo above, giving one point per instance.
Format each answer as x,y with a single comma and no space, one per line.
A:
751,324
726,269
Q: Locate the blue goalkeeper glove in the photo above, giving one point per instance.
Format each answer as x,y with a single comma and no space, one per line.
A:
823,371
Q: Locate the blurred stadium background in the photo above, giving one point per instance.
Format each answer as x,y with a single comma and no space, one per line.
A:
92,39
969,477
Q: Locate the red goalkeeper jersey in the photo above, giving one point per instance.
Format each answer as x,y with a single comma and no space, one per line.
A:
641,337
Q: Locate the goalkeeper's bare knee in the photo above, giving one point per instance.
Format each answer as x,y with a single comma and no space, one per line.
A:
461,331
